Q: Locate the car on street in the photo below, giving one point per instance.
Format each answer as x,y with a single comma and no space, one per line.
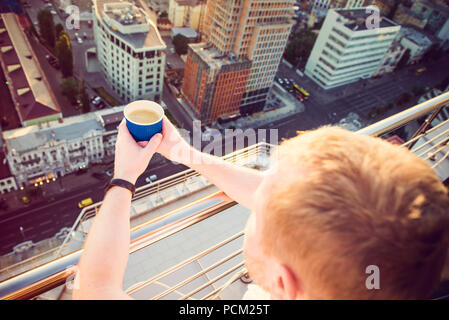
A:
80,41
25,199
96,100
151,178
280,81
53,12
84,35
108,173
85,202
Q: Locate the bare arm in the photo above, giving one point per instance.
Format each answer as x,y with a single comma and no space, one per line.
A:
239,183
105,255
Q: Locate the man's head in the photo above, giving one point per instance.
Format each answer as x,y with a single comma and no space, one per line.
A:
337,202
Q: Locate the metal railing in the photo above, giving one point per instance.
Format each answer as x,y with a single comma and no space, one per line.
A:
54,273
151,232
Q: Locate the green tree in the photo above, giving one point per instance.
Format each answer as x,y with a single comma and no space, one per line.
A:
59,30
404,98
299,47
47,27
84,97
180,42
69,89
65,56
418,90
404,59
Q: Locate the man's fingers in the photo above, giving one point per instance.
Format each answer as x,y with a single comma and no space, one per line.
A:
152,145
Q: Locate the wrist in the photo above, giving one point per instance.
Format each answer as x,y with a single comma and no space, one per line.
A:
126,176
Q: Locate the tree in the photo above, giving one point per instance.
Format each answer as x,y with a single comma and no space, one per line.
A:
59,30
403,98
299,47
418,90
84,97
47,27
65,56
404,60
69,89
180,42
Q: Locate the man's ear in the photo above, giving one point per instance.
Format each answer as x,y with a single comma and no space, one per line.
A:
285,284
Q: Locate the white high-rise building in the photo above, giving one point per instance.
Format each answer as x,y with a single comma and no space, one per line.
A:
349,47
130,50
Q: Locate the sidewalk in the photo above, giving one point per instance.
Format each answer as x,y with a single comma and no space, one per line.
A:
61,185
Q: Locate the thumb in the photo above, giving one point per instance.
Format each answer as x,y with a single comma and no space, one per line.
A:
152,145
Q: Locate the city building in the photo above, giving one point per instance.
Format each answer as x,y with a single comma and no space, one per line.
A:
435,14
391,58
245,41
416,42
45,152
405,16
159,6
32,95
130,50
348,49
319,9
385,6
186,13
7,180
189,33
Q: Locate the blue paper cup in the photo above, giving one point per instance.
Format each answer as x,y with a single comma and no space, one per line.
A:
143,131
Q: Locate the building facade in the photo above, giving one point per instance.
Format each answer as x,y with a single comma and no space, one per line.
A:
30,91
46,152
242,31
416,42
186,13
130,50
348,49
391,58
159,6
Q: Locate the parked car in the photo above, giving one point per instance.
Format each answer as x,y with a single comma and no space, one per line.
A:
151,178
101,105
85,202
84,35
25,199
96,100
108,173
53,12
79,40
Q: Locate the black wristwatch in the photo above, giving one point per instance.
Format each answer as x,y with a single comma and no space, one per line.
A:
121,183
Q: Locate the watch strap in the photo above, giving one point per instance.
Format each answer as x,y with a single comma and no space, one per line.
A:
121,183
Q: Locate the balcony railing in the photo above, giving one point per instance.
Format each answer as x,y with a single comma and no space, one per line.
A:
429,143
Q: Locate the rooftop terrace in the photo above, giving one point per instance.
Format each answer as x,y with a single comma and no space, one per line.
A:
129,23
356,19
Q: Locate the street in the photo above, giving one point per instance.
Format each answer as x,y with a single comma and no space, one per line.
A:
45,217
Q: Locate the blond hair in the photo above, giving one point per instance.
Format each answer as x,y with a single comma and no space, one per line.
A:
344,201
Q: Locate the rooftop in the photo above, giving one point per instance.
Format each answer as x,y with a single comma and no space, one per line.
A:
212,57
356,19
416,36
186,32
32,93
70,128
129,23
